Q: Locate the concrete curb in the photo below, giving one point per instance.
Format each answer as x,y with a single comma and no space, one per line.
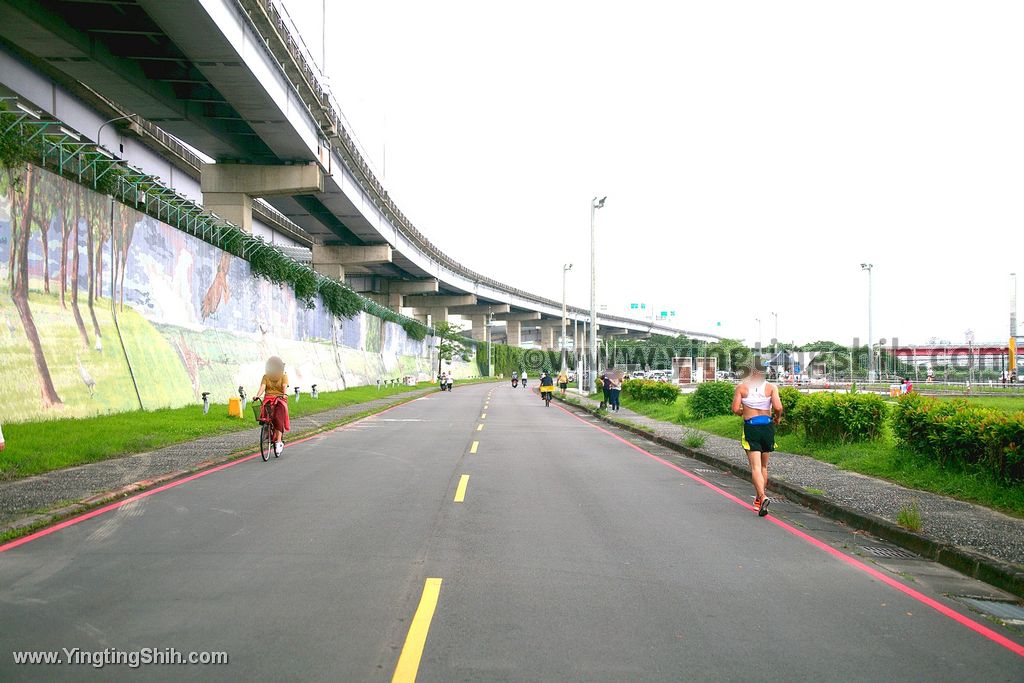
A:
991,570
32,523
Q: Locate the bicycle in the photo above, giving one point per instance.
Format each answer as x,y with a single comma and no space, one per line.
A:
546,393
266,428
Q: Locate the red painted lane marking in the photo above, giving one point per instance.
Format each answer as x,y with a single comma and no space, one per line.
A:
10,545
997,638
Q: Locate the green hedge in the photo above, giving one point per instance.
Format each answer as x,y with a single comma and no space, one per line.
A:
711,399
790,397
649,391
956,432
840,418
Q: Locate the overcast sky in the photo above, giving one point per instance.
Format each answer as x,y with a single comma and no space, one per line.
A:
753,153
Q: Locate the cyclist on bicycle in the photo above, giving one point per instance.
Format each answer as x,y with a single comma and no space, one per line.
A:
274,392
515,379
547,385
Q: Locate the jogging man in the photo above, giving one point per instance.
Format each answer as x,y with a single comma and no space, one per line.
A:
757,401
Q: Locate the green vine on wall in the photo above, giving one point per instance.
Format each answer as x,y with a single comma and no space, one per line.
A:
21,144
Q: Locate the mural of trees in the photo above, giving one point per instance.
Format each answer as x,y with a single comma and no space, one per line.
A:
21,188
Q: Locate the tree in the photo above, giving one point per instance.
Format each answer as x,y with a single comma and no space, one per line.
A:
74,268
450,343
63,197
94,219
21,226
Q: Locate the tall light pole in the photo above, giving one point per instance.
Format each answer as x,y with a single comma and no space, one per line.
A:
1013,326
565,352
758,334
871,349
490,346
775,338
595,204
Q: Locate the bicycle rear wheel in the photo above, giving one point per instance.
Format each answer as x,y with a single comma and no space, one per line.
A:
266,434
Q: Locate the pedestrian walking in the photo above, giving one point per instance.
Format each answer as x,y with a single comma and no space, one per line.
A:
614,389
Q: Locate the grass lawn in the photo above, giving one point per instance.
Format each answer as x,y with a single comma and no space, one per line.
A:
37,447
882,458
1009,404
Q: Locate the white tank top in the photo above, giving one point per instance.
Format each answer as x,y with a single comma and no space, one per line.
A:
756,397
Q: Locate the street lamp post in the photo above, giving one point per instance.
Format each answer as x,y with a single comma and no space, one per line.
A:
871,350
595,204
490,346
775,338
565,352
107,123
758,334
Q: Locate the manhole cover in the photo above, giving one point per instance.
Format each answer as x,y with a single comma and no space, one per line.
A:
888,552
1007,611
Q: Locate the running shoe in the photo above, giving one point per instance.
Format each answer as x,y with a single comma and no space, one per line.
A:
762,510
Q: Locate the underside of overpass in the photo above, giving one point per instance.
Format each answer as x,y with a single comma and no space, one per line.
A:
171,62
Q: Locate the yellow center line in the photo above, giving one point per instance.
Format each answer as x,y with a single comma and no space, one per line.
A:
460,492
472,449
479,428
409,661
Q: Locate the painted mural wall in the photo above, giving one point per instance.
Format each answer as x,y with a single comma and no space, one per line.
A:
105,309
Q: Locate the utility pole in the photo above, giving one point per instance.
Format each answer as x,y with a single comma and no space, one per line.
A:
595,204
565,352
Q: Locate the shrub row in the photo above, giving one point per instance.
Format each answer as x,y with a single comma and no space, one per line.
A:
825,416
711,399
956,432
649,391
840,418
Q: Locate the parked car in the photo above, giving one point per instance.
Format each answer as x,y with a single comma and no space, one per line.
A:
638,374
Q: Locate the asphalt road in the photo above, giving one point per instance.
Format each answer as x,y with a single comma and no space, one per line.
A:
572,556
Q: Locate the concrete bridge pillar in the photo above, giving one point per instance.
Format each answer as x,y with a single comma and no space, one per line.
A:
228,189
331,259
428,316
477,316
399,289
513,332
479,327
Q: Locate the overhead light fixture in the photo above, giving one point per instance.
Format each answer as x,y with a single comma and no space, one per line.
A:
69,133
28,110
103,152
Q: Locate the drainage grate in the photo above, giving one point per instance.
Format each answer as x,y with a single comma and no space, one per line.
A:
703,470
888,552
1007,611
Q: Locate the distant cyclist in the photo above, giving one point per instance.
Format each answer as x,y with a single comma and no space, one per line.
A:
523,378
757,401
515,379
274,391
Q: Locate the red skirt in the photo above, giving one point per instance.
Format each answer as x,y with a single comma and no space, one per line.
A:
280,403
